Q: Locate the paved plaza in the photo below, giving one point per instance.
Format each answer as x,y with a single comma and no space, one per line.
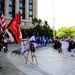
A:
50,62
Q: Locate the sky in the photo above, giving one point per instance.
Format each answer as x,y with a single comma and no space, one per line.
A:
64,12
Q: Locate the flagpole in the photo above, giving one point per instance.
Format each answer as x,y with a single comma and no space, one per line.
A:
53,20
5,31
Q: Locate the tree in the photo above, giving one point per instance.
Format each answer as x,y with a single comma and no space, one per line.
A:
42,28
66,31
34,21
39,22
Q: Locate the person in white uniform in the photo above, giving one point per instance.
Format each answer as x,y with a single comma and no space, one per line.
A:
66,47
63,47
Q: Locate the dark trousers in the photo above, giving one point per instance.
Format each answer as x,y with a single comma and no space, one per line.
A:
6,48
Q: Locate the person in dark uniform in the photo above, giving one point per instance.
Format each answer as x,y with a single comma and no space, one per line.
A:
72,44
69,48
55,44
59,47
5,45
1,45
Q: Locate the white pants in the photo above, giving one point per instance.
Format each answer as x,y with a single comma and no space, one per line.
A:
64,51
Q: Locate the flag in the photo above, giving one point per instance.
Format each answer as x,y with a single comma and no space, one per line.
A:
10,35
14,28
2,21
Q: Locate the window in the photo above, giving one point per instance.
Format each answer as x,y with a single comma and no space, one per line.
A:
23,24
10,9
30,18
30,1
20,5
20,0
10,2
30,7
22,8
21,11
10,15
30,12
31,24
2,5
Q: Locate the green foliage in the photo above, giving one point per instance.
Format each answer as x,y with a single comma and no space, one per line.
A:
45,23
39,21
40,28
34,21
66,31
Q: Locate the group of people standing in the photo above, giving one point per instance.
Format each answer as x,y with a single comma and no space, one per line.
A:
65,45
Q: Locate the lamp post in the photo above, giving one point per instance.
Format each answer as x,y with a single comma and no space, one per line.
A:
53,20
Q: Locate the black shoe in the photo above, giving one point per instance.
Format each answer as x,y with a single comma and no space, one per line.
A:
72,55
0,50
0,67
5,50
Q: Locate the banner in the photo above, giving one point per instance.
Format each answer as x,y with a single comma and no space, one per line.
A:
14,27
2,21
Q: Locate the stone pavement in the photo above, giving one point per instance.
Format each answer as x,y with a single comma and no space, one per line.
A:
50,62
7,67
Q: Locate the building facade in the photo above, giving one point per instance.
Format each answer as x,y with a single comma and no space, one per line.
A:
27,8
